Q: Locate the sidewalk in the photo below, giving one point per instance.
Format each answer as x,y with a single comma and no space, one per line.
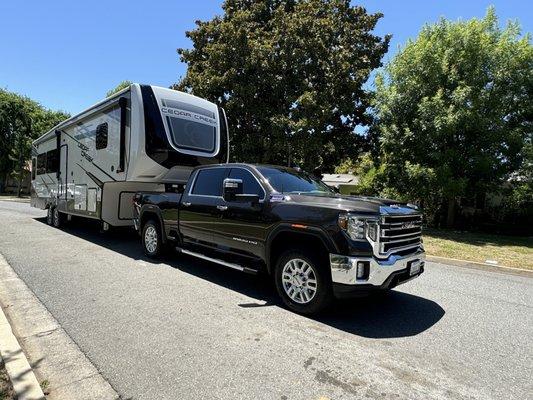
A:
56,359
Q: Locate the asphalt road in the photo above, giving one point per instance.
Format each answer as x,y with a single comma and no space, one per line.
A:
193,330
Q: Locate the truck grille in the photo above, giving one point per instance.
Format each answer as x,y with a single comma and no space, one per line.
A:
398,233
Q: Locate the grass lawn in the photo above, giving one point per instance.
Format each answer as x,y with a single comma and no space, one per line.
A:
508,251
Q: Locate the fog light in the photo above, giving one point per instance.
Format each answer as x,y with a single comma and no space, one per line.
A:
362,270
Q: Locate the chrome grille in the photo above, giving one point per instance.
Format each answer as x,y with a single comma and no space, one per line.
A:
398,232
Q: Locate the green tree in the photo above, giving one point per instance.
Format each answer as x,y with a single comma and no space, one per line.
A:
119,87
22,120
454,109
290,75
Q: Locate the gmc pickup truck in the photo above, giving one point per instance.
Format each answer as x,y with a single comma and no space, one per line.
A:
315,243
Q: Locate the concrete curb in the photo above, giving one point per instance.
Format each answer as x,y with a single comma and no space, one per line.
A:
466,263
55,357
18,368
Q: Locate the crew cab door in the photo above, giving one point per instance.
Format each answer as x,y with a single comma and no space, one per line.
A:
241,230
199,215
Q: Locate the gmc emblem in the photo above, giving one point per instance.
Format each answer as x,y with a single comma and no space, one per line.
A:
408,225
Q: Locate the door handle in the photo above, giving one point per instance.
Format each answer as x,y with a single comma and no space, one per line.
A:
222,208
186,203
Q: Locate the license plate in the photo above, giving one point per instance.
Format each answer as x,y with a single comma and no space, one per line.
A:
414,268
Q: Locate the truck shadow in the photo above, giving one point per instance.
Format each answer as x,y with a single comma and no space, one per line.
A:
396,314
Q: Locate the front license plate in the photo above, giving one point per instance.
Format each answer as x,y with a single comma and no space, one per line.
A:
414,268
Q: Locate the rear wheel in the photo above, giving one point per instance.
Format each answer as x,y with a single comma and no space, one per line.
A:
151,239
302,282
50,215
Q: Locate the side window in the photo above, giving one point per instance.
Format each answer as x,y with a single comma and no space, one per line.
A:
52,161
101,136
41,164
33,168
209,182
249,183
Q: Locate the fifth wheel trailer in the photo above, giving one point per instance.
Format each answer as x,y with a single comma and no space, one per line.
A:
141,138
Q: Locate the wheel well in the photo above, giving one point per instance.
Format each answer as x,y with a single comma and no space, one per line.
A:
148,215
295,240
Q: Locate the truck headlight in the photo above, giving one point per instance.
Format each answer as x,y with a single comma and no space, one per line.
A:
353,225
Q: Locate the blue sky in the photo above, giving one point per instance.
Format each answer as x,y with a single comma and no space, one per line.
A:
68,54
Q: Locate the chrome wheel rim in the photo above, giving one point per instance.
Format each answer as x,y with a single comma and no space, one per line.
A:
299,281
49,216
150,239
56,217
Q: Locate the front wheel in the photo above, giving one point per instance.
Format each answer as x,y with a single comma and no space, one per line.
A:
303,282
151,239
57,218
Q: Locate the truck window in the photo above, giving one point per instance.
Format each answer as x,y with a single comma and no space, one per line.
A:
52,161
41,164
101,136
209,182
249,183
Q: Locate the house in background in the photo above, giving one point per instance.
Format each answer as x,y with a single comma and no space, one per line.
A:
345,183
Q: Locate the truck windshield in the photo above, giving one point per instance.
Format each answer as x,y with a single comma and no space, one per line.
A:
288,180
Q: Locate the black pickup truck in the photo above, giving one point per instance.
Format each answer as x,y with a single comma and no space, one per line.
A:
314,242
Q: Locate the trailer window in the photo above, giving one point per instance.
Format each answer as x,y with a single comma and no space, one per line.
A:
192,135
52,161
101,136
41,164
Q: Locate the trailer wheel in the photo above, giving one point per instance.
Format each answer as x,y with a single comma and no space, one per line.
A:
302,282
151,239
57,218
50,215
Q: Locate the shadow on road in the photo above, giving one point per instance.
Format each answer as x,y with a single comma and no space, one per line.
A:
396,314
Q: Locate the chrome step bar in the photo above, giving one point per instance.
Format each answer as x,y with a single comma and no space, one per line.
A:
217,261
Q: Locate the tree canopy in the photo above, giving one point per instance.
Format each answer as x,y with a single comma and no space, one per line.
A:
290,75
454,110
118,88
22,120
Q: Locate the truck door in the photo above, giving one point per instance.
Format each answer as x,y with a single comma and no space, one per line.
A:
199,216
241,230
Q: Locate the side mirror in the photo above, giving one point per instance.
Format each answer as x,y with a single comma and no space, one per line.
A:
232,191
230,188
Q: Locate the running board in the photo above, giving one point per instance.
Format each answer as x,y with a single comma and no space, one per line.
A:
217,261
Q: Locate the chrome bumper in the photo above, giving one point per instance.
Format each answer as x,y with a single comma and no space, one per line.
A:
344,268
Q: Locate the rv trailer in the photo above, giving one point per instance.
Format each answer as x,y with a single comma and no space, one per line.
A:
143,138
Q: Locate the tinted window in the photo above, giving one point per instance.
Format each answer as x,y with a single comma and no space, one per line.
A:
41,164
192,135
101,136
288,180
209,182
52,161
249,183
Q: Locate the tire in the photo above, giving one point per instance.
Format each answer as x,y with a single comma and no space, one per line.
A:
57,218
50,216
297,273
151,239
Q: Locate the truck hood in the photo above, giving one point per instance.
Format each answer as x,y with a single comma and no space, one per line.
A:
358,204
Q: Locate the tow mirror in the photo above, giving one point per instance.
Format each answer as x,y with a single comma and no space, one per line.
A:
230,188
232,191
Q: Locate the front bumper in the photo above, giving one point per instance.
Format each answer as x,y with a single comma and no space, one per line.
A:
379,274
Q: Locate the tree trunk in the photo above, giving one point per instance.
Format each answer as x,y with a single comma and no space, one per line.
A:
450,217
19,183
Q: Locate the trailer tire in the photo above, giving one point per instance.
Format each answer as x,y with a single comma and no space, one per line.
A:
152,239
50,215
57,218
302,282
